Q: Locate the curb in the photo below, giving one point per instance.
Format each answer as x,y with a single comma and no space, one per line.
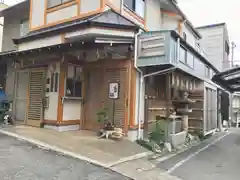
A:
74,155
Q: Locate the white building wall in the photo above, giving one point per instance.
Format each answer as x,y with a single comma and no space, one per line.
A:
213,44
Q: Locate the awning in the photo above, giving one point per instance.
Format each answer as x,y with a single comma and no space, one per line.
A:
229,79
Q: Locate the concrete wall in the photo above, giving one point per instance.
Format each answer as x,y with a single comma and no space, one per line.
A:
213,43
11,30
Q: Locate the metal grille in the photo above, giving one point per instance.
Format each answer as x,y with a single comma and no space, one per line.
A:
36,89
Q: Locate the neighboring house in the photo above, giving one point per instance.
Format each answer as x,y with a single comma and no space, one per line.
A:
171,62
215,41
2,65
61,73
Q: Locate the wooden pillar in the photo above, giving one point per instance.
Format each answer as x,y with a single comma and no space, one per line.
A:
61,89
168,93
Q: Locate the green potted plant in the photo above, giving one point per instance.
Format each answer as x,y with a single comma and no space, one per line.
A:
102,117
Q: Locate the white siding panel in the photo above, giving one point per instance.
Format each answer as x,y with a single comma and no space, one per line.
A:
115,3
191,39
48,41
169,23
38,9
72,110
88,6
213,44
153,15
62,14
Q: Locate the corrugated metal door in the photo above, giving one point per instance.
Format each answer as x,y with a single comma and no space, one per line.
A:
35,94
117,108
22,79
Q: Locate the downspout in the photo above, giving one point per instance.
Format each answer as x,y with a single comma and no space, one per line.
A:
141,82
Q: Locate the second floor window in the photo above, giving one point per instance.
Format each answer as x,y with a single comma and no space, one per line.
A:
137,6
53,3
24,27
207,72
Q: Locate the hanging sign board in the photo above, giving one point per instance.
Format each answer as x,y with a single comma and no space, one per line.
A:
113,90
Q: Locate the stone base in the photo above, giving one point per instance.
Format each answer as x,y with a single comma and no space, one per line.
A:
63,128
178,139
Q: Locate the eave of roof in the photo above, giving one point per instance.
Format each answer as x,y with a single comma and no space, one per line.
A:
228,84
61,48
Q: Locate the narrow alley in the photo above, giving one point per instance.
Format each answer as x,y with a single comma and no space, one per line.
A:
216,159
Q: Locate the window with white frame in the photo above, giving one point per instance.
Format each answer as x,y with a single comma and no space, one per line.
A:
138,6
53,3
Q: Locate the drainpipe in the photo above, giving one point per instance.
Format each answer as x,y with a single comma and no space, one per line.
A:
142,77
141,82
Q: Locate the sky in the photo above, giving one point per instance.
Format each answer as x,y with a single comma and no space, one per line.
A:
203,12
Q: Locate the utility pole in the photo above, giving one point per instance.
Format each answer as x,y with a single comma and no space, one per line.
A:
233,46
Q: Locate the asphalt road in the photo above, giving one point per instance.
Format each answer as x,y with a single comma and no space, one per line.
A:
20,160
212,160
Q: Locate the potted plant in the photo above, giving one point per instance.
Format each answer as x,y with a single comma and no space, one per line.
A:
102,118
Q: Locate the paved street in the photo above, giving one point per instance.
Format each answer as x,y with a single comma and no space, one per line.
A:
20,160
217,159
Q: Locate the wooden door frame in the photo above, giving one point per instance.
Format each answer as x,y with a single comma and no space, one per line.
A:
44,69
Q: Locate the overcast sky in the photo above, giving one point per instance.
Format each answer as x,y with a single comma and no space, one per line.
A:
203,12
